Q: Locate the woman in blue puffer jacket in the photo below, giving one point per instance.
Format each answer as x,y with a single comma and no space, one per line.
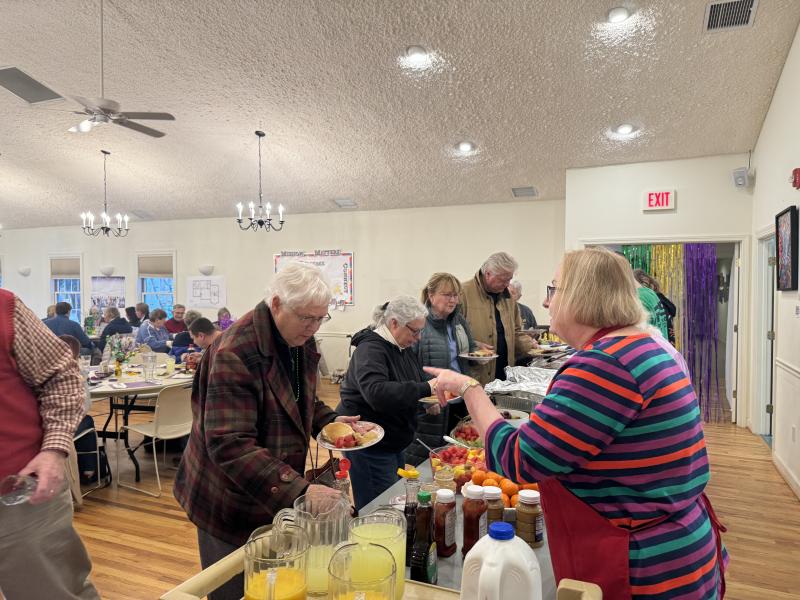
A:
445,337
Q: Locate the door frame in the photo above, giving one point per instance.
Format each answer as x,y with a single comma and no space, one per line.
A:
740,410
764,359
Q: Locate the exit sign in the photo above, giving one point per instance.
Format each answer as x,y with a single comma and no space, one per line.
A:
658,200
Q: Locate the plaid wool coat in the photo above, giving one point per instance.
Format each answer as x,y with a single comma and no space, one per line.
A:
247,450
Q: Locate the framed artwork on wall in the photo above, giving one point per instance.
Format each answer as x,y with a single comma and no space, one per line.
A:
786,239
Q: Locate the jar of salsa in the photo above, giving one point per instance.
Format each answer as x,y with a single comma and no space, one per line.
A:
445,523
474,509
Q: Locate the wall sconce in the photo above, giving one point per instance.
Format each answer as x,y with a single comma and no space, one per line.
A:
107,271
206,269
24,271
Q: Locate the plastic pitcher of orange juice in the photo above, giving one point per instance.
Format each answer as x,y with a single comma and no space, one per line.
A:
275,563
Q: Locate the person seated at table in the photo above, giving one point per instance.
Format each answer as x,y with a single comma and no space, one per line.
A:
255,410
87,463
132,317
384,384
116,324
51,312
203,335
94,319
153,333
177,324
445,337
616,446
224,319
142,312
183,340
61,324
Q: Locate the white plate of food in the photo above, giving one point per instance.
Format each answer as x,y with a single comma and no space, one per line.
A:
342,437
479,356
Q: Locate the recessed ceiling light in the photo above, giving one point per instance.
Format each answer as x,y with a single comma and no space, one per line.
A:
618,14
465,147
416,58
624,129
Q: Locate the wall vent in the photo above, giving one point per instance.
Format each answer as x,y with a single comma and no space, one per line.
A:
345,203
730,14
524,192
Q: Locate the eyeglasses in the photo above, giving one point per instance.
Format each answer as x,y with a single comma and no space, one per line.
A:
415,332
309,320
449,296
551,291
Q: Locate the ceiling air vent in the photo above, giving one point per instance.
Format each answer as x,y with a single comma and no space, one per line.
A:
730,14
345,203
524,192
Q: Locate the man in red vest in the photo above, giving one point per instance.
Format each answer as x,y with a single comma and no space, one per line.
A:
41,403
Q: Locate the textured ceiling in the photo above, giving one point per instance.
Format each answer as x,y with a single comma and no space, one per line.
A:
535,84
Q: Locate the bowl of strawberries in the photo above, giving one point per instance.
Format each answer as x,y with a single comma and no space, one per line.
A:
461,461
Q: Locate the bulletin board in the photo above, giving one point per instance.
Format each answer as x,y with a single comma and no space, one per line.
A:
335,264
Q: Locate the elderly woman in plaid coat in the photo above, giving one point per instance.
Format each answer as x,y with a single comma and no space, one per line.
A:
254,408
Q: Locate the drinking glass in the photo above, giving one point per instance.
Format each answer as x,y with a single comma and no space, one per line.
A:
385,527
148,365
85,362
361,572
275,563
170,365
16,489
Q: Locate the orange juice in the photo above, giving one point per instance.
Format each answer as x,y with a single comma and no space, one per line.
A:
290,584
390,537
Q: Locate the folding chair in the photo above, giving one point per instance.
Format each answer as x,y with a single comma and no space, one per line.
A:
172,419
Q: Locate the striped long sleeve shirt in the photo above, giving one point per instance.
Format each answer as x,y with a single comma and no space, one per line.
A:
621,430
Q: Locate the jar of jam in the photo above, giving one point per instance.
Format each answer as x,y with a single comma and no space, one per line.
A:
445,523
530,520
474,509
494,504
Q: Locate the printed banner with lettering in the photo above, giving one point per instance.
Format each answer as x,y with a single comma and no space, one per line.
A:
337,266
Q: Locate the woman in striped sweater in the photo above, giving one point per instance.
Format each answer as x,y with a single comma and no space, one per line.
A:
617,445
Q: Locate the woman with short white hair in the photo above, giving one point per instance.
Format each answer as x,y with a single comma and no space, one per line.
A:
384,384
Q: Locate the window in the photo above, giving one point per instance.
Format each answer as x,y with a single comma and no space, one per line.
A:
65,284
156,282
158,292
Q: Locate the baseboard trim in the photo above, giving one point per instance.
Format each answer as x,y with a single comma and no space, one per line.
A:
787,475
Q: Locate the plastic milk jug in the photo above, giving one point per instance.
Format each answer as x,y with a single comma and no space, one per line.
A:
501,566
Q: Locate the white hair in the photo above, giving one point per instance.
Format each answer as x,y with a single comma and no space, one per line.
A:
299,284
403,309
500,262
516,285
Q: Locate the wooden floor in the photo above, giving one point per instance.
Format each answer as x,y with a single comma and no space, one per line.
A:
142,546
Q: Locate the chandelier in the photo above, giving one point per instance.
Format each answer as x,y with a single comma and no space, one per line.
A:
260,216
104,226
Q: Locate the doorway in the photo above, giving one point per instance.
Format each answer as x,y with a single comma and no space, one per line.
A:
764,336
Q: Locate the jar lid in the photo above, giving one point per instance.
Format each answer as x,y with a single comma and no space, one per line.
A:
444,496
491,492
444,474
529,496
424,496
473,492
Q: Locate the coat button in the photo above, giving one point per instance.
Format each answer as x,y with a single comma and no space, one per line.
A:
274,489
287,476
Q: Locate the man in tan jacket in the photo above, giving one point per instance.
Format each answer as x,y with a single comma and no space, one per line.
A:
493,316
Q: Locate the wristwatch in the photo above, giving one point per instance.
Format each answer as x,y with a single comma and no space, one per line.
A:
469,383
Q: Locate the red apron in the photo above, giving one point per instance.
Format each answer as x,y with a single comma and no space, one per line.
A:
585,546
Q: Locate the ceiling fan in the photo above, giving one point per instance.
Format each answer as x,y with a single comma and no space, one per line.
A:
99,111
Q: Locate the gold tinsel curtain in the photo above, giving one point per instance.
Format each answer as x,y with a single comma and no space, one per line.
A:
666,265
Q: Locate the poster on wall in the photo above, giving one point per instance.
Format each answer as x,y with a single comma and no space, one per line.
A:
786,238
108,291
206,292
337,266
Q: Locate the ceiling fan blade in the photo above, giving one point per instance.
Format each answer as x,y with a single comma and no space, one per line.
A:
140,128
98,103
155,116
26,87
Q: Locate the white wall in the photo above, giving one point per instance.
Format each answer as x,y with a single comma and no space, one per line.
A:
776,154
606,202
394,252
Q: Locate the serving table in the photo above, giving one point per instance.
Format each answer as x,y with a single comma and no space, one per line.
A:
450,568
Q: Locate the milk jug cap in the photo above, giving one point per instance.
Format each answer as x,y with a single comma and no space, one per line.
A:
501,531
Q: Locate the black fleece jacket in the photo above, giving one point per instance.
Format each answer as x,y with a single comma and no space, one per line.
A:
383,384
